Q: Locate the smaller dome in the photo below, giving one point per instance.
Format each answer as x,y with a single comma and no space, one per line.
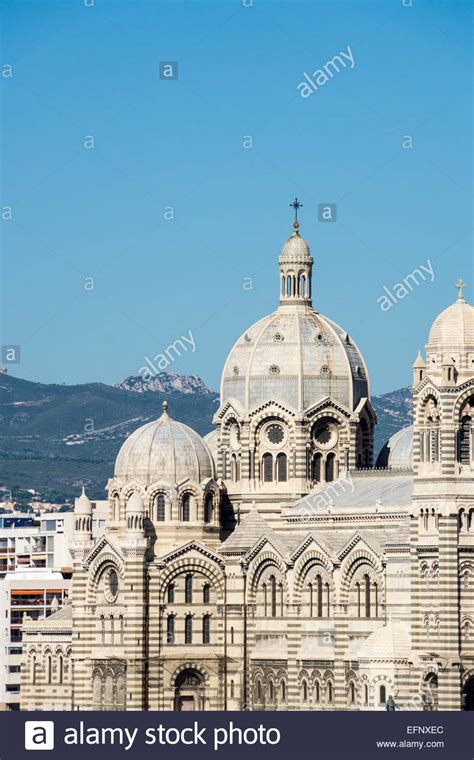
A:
392,642
453,328
164,450
83,504
295,248
398,450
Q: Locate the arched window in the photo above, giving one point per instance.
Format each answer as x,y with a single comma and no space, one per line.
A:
267,466
33,669
116,508
273,587
282,468
160,507
317,691
188,589
170,593
232,634
60,669
233,468
271,691
120,692
170,629
208,508
319,589
464,441
283,691
330,691
49,668
330,467
366,695
186,508
206,629
376,599
265,599
304,691
352,692
109,691
97,692
429,438
316,474
188,629
367,595
232,690
383,695
206,593
258,691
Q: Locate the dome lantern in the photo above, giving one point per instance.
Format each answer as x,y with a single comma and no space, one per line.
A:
296,265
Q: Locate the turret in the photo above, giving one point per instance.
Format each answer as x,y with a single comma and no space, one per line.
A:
83,518
419,368
135,513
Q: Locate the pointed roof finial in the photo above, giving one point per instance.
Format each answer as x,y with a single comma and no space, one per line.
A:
164,406
419,361
296,205
460,285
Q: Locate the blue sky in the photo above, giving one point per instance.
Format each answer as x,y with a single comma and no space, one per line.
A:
98,213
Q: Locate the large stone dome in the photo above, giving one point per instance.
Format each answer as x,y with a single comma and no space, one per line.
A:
297,357
453,328
164,450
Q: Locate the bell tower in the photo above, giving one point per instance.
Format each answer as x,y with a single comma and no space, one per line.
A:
442,521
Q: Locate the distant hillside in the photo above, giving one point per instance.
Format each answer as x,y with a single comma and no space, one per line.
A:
56,438
394,411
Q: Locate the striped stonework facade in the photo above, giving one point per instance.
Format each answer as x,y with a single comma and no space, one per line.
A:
270,566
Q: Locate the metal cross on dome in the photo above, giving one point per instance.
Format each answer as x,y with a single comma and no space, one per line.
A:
460,286
296,205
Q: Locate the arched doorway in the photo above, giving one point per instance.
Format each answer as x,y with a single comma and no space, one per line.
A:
468,694
430,692
189,690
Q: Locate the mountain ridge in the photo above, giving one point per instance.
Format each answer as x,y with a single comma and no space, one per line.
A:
56,438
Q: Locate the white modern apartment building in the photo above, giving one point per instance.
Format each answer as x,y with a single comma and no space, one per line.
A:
35,576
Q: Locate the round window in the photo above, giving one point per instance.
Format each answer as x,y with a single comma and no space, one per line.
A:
275,434
325,434
112,586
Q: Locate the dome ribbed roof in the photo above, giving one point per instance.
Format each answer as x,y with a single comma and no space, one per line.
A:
294,356
164,450
295,247
392,642
398,451
453,328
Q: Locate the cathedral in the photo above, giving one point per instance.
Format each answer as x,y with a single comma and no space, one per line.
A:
273,564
